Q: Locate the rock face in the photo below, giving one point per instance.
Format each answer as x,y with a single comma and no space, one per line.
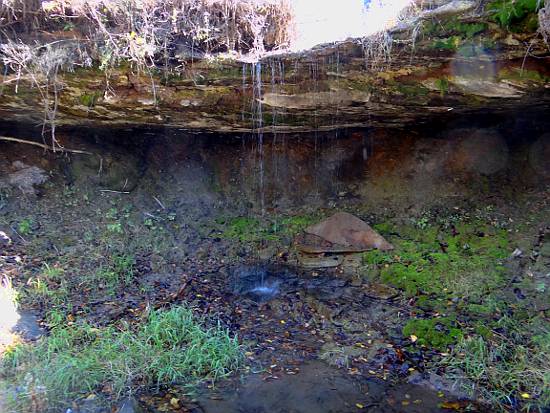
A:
347,232
460,61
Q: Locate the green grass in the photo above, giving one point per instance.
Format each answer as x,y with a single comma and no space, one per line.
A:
508,369
73,361
48,287
118,273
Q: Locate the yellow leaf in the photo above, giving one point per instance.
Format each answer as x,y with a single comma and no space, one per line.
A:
450,405
413,338
525,395
359,405
175,402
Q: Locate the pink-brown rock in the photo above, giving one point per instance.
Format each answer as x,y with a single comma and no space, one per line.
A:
348,231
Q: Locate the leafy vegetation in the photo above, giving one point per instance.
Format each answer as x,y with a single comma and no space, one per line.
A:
454,27
516,14
443,85
73,361
25,226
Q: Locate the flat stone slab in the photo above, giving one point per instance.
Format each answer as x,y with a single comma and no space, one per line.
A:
319,261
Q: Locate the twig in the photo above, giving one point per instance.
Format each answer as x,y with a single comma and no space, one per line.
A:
42,145
158,202
113,191
18,234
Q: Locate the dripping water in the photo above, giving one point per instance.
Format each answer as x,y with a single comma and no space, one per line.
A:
257,126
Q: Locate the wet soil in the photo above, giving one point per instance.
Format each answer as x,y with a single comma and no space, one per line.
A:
316,387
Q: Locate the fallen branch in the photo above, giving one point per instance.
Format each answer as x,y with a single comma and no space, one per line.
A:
43,146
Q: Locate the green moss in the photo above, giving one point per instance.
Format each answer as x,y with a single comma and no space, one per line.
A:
453,26
443,86
429,303
449,43
248,229
434,261
483,331
376,257
406,277
384,228
89,99
439,333
480,309
243,229
291,226
412,90
518,74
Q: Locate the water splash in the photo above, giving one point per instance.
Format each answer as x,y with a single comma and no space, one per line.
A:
256,282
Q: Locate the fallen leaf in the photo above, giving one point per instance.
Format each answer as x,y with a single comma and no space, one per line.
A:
450,405
175,402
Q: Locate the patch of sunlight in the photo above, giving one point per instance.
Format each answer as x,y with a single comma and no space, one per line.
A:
9,316
331,21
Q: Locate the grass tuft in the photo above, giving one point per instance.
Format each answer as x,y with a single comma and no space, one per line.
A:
506,370
73,361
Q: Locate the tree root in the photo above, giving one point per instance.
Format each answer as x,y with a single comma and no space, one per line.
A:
44,146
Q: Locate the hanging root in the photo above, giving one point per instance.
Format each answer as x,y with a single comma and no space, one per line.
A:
377,50
43,146
544,22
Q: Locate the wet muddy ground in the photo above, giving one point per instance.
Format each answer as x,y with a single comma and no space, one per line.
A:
209,222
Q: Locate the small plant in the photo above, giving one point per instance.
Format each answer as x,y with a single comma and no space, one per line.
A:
25,226
52,272
123,265
443,86
115,228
